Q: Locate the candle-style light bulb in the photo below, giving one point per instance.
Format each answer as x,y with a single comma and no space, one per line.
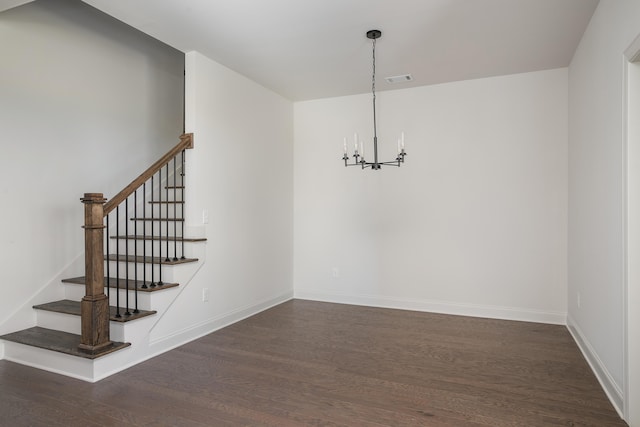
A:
345,145
355,142
402,140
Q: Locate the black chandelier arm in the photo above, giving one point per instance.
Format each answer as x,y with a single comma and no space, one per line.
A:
374,165
356,161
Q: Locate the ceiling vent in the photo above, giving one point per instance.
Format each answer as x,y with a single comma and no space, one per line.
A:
399,79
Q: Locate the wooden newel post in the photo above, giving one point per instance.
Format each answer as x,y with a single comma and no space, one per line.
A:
95,304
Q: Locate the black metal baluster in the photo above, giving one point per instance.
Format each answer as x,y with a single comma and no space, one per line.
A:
160,228
118,262
126,256
166,259
135,251
153,283
182,209
144,236
107,252
175,212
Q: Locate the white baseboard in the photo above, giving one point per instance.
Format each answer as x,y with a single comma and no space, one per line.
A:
612,390
176,339
443,307
208,326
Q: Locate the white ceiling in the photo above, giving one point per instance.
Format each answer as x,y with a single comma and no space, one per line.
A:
8,4
304,49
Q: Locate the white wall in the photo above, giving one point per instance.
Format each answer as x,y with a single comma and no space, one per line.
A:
240,171
473,223
86,104
596,189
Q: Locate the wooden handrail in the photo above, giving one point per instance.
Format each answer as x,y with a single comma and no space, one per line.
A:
186,141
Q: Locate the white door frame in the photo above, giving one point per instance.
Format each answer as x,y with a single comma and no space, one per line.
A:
631,303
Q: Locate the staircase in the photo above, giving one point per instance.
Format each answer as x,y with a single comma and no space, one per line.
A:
103,323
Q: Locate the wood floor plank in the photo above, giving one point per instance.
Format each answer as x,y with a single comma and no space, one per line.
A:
311,363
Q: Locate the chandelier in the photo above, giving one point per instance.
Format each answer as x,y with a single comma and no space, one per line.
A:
358,155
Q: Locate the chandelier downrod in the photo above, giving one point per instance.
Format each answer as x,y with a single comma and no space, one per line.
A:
358,156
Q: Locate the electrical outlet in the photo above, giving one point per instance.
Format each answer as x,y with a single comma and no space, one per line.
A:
335,272
205,294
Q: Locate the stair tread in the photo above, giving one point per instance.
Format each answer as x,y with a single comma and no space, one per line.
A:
74,307
62,342
157,219
170,238
148,259
113,283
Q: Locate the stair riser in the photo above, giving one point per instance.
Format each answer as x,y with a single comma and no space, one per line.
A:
141,231
143,271
143,248
58,321
73,292
76,293
50,361
139,247
128,222
71,323
146,300
132,331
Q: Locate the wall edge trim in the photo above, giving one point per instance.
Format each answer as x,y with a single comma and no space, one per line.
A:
608,384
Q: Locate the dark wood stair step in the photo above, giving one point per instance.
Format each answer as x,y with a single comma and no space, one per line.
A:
112,282
62,342
158,219
67,306
148,259
164,238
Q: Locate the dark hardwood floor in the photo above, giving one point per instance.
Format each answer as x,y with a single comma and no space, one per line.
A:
311,363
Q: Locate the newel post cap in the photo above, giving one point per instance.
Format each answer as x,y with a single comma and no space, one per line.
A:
93,198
